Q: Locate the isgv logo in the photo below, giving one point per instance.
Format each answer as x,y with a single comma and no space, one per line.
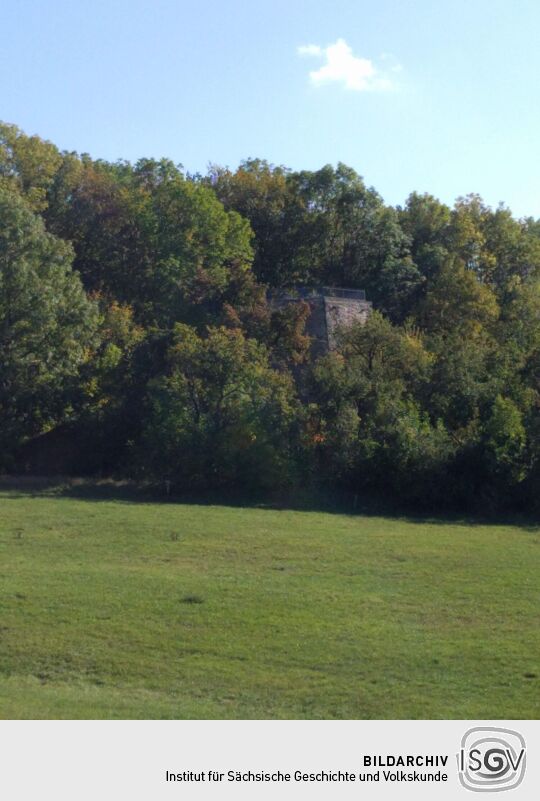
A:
491,759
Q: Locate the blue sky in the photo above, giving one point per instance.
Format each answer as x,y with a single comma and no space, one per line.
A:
431,96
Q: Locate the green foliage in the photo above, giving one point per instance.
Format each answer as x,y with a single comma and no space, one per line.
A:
261,194
172,354
456,300
287,336
222,415
505,439
373,430
197,244
322,227
28,165
150,238
47,324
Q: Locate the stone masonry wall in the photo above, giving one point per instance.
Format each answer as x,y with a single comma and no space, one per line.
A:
329,311
343,312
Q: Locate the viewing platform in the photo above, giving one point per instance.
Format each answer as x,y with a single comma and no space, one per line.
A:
331,308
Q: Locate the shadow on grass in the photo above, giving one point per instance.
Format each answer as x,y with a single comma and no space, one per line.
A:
329,502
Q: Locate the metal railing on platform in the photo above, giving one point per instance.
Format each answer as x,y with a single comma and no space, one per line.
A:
339,292
304,292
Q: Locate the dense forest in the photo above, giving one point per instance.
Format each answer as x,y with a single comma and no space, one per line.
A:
137,339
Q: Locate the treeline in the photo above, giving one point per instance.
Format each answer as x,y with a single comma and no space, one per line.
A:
135,331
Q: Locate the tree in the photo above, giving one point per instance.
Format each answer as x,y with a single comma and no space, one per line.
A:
199,247
262,194
322,227
150,238
372,431
426,221
222,416
493,244
456,300
505,440
350,238
176,361
47,323
28,164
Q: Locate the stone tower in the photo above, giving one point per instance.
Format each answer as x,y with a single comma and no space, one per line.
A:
330,308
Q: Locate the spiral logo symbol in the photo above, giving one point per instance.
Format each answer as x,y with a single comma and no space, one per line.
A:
491,759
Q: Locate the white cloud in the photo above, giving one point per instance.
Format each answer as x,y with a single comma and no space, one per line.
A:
342,66
393,65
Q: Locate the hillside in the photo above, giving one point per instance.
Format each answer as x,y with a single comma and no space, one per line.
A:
118,609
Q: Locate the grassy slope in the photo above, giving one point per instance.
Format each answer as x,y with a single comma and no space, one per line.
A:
303,614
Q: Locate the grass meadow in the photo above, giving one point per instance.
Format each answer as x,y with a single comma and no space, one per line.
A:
116,608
